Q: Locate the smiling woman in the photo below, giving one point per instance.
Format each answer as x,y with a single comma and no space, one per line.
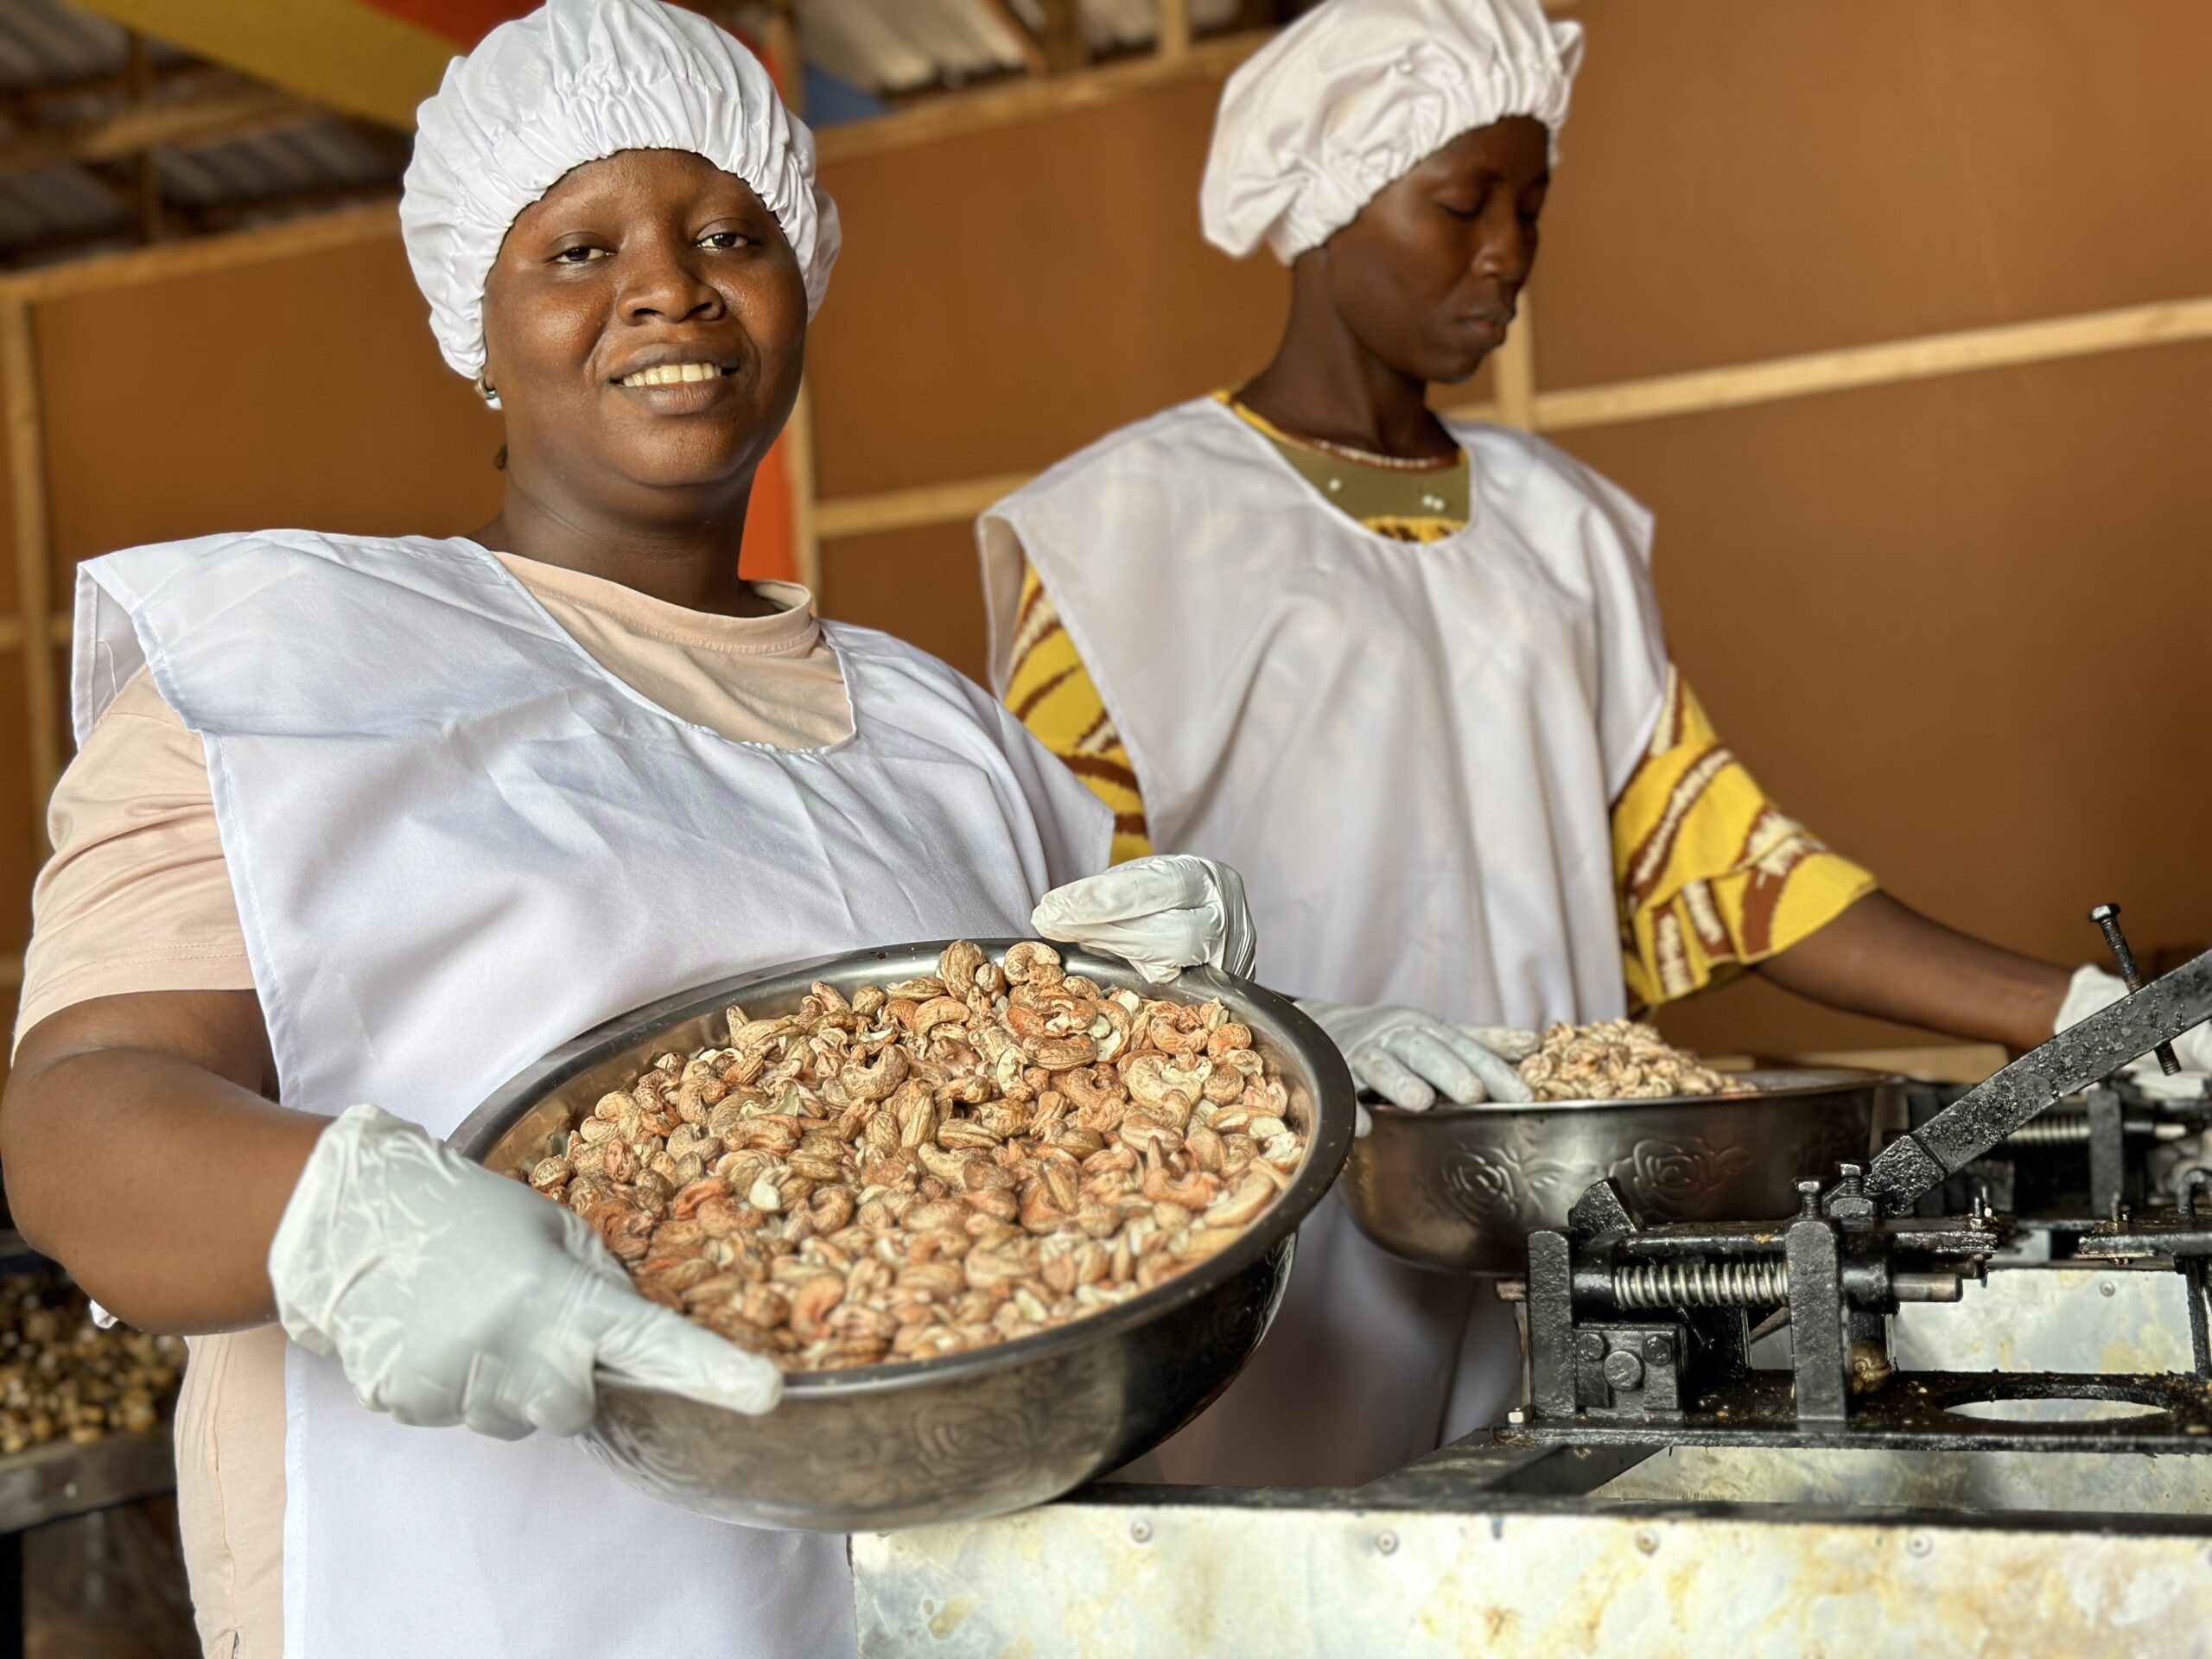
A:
383,819
645,327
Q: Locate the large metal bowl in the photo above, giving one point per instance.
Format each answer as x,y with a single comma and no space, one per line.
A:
1462,1187
974,1434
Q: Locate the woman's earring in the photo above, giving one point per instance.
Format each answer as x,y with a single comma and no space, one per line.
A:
486,391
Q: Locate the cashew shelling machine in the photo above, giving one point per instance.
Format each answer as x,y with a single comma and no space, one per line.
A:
1904,1417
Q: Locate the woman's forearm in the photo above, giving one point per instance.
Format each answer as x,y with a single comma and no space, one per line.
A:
1883,958
140,1155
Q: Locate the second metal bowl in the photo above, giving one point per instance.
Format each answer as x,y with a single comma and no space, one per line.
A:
973,1434
1461,1187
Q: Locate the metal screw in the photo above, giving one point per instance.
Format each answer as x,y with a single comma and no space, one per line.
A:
1658,1348
1919,1544
2107,917
1623,1368
1647,1542
2106,1287
1516,1416
1589,1345
1851,1174
1140,1531
1808,1198
1386,1543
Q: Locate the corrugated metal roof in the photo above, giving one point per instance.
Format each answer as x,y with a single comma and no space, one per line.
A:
61,67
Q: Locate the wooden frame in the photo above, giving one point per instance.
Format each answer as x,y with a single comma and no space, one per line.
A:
19,399
1519,402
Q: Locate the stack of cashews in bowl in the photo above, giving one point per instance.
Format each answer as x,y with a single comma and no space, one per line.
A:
934,1166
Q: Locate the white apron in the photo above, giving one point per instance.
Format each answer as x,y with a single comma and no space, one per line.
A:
1410,751
457,840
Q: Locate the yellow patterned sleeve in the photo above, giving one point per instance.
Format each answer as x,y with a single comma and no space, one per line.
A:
1051,692
1713,877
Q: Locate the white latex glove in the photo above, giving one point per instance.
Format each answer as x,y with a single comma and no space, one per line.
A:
2093,990
1409,1058
451,1296
1161,915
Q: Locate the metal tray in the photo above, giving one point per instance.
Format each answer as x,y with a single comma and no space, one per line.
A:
972,1435
1461,1187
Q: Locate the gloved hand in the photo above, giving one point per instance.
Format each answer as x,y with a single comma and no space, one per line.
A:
1409,1058
451,1296
1161,915
2093,990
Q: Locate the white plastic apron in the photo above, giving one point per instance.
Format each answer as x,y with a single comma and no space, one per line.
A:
456,841
1410,751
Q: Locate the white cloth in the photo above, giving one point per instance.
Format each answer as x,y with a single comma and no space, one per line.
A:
1356,94
457,841
1159,915
1410,750
2094,989
577,81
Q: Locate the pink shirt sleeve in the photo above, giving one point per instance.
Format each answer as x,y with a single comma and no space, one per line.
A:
137,896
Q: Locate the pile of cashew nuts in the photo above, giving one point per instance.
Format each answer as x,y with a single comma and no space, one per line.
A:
932,1167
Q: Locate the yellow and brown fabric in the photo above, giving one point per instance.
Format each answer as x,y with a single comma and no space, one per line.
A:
1711,876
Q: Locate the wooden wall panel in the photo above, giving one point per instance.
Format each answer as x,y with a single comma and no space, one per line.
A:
1954,627
306,392
21,853
915,583
1008,296
1744,180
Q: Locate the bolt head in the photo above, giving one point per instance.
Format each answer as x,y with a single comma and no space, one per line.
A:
1589,1345
1624,1369
2104,913
1659,1348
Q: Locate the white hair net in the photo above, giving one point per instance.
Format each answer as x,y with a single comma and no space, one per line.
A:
1354,95
576,81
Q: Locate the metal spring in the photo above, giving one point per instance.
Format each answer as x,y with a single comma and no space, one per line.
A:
2052,1130
1757,1281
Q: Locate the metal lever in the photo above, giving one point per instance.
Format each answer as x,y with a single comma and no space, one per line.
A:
2107,917
2082,1054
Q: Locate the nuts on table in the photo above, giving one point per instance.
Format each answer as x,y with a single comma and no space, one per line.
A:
62,1376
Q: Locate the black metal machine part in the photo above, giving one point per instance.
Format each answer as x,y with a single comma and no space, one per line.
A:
1642,1335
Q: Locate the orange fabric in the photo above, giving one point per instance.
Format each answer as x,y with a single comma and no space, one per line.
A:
770,552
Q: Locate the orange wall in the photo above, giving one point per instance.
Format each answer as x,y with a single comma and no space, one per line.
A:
1955,627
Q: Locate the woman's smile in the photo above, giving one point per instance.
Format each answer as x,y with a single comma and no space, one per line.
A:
680,385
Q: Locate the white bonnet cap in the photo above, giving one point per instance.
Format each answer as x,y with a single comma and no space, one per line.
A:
576,81
1353,96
